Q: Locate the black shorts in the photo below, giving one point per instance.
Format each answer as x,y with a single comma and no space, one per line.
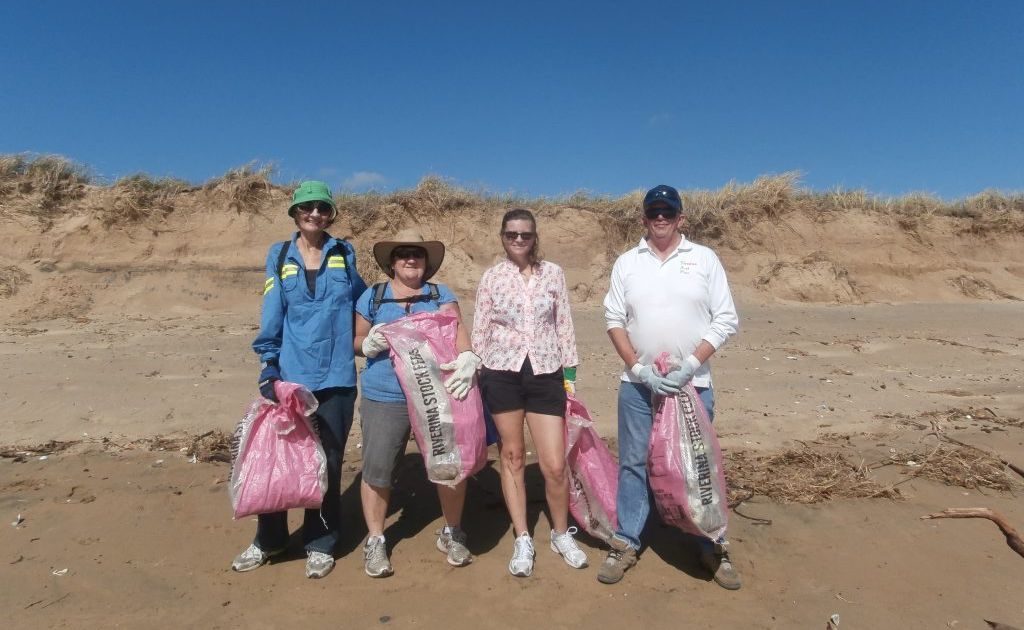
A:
504,390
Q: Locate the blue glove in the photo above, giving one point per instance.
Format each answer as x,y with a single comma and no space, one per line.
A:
657,383
268,376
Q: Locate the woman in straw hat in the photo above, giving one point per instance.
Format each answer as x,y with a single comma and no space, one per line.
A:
306,337
409,261
523,330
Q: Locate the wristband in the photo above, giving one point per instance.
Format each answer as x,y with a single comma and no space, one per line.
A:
692,361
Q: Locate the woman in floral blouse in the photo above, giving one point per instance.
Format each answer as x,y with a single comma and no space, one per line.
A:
522,329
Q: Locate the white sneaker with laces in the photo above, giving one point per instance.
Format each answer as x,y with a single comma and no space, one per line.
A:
451,541
521,564
565,545
252,558
318,564
375,554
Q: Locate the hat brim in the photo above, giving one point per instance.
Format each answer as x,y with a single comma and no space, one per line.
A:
435,255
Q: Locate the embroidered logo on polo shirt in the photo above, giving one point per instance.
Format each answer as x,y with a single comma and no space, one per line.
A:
686,266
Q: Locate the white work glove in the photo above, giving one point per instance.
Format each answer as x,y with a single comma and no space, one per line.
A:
463,367
374,343
682,374
658,384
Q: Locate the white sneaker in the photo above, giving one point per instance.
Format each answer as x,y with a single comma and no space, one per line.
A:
564,545
521,564
318,564
451,541
375,555
252,558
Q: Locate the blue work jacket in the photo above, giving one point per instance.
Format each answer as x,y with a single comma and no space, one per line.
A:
311,335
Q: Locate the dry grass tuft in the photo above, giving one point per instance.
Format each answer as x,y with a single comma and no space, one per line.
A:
738,207
802,476
53,178
247,188
434,200
437,196
139,198
712,215
963,466
619,216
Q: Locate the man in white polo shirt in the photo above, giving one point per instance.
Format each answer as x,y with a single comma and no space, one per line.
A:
666,294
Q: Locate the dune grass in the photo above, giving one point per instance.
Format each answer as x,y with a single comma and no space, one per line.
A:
246,188
53,179
139,197
48,183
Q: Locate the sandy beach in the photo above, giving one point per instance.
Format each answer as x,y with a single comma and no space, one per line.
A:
866,364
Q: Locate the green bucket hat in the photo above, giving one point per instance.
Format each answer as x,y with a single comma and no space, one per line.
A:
312,191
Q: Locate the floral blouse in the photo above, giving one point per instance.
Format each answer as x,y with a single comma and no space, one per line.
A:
516,318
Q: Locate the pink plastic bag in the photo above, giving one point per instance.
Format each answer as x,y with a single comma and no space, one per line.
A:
449,432
593,473
279,462
684,463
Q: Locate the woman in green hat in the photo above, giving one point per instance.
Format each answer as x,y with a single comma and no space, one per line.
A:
306,337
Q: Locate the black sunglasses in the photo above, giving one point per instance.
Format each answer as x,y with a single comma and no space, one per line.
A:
512,236
400,253
654,213
319,206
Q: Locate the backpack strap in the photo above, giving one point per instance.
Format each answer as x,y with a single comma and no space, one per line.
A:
378,297
282,256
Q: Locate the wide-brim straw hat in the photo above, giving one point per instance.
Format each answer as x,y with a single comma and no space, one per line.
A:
411,238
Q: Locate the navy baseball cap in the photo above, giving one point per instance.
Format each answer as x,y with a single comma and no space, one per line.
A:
665,194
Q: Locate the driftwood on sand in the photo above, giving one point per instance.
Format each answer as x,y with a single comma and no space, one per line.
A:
1013,539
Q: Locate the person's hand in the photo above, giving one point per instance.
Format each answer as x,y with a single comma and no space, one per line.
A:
682,375
658,384
374,343
268,376
463,367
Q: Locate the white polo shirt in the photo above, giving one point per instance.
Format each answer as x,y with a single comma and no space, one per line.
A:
669,306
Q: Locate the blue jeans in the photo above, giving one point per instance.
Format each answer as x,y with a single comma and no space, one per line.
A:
636,417
321,528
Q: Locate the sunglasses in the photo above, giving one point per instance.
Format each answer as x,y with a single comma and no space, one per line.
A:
323,208
514,236
660,211
401,253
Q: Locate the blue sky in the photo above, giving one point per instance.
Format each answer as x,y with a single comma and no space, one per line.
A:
539,98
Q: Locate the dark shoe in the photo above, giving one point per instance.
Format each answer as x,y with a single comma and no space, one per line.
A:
620,558
716,560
